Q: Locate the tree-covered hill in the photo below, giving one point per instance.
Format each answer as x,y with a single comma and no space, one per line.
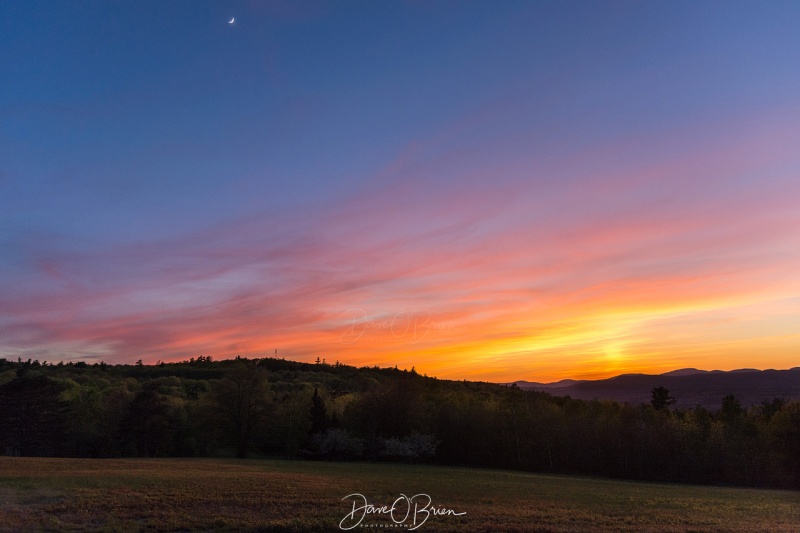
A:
273,407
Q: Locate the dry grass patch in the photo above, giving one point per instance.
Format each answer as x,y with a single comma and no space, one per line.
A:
255,495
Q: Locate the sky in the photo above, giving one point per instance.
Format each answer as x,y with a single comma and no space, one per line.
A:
478,190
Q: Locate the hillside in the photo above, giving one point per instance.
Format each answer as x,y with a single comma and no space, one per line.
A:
275,408
690,387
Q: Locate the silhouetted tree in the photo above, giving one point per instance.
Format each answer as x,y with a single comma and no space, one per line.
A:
731,409
318,415
242,400
785,430
390,411
661,398
147,425
769,408
31,416
289,423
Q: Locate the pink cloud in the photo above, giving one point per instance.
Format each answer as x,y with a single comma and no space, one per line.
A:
494,259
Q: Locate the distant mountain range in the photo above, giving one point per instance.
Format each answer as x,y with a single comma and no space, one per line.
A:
689,386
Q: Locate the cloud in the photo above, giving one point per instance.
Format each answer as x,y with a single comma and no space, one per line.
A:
505,265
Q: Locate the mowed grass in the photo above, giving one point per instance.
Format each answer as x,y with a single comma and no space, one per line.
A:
267,495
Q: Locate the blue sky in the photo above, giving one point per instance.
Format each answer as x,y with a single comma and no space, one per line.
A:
268,177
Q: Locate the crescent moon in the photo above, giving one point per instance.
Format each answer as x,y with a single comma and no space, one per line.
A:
232,20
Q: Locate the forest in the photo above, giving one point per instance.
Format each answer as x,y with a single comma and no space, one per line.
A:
272,407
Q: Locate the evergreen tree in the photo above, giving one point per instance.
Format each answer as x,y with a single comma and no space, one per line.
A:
318,415
661,398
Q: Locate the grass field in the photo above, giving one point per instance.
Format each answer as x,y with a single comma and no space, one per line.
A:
256,495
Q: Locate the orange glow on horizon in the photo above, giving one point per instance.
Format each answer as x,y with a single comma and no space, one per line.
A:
645,268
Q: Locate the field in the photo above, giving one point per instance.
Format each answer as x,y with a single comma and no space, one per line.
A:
259,495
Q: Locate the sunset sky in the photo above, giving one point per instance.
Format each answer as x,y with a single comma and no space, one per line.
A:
491,190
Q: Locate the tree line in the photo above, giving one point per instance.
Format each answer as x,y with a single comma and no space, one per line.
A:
272,407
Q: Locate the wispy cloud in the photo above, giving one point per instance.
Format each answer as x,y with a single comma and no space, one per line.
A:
587,262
